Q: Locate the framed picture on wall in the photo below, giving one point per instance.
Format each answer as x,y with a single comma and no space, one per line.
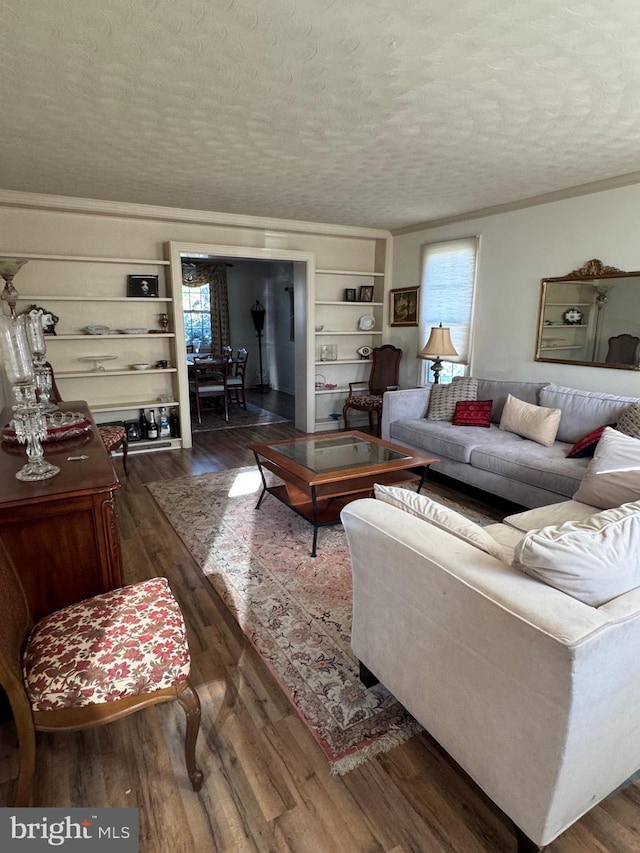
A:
366,293
405,306
142,285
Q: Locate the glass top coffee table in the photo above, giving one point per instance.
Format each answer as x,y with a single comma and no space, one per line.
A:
323,473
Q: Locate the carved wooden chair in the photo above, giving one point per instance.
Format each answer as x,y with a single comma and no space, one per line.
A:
92,663
624,349
367,396
236,383
113,436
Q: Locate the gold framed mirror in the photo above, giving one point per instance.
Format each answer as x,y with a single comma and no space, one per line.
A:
591,317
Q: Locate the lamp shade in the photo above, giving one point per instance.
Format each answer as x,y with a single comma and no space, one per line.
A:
439,343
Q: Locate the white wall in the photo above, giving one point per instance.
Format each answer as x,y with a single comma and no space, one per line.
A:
517,250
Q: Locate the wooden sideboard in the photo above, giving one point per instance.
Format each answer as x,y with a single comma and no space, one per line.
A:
62,533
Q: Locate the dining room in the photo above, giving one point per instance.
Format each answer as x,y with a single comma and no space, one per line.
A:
239,341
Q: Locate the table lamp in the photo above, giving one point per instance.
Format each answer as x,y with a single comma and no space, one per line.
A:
439,344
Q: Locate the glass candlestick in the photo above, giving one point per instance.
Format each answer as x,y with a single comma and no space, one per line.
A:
28,414
38,348
9,268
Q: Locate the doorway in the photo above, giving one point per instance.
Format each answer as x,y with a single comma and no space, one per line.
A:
278,279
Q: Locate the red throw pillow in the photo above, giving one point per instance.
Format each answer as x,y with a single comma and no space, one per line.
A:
473,413
586,446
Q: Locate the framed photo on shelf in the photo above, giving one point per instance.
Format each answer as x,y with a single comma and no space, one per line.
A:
142,285
350,294
366,293
405,306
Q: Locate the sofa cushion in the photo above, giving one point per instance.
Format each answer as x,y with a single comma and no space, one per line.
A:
531,463
629,422
586,446
443,398
473,413
441,516
446,440
613,475
544,516
583,411
535,422
587,559
499,389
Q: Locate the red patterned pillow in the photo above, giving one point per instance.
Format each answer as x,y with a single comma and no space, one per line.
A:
586,445
473,413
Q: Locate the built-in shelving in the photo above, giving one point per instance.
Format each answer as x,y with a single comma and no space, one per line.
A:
94,293
350,272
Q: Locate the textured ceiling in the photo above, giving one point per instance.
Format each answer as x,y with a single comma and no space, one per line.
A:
362,112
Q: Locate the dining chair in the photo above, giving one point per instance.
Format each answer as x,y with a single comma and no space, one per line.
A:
236,382
91,663
204,387
624,349
366,396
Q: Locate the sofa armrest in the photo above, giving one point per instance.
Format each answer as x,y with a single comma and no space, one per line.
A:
403,405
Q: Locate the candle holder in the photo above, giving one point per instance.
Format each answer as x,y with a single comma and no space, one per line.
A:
38,347
9,267
29,417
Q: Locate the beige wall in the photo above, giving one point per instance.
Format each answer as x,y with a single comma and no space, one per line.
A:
517,250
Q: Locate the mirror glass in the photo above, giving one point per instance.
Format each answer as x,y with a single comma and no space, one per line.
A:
591,317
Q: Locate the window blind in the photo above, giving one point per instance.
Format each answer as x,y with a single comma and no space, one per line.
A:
447,293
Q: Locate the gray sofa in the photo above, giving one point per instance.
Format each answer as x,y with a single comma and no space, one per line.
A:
497,461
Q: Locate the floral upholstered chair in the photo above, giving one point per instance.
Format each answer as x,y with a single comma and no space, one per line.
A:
91,663
367,396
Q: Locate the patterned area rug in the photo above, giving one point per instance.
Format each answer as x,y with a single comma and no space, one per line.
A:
295,609
253,416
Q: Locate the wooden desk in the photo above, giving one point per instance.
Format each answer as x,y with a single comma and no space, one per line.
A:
62,533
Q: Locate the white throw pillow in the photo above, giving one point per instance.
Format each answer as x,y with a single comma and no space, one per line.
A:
591,560
613,475
441,516
538,423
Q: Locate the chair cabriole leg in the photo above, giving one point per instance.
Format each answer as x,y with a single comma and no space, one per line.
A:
190,702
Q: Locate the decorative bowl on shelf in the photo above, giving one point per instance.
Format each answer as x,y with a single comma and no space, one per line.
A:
329,386
140,365
97,330
335,416
320,328
135,331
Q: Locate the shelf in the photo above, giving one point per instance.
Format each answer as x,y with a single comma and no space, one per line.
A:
567,347
51,298
332,391
350,272
565,326
346,332
344,302
152,262
152,446
103,408
345,361
568,304
119,337
78,374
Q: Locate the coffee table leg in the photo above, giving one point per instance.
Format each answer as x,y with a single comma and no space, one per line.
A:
314,521
264,482
423,478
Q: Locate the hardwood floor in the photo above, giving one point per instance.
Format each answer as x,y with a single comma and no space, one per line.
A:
267,785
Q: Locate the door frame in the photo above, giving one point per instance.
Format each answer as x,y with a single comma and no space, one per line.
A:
304,271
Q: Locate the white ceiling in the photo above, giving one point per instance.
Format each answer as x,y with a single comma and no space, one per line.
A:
381,113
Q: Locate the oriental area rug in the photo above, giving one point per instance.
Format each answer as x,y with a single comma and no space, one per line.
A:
295,609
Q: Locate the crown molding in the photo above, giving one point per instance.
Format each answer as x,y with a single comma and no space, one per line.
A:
68,204
629,179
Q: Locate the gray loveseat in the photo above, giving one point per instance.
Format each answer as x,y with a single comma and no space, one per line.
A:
500,462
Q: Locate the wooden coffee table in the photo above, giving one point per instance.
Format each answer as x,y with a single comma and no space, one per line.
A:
323,473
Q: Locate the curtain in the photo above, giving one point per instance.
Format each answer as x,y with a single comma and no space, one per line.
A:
447,292
197,274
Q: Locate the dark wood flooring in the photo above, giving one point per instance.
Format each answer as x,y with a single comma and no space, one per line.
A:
267,785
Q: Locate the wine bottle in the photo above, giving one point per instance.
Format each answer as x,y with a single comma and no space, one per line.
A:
143,425
174,423
165,429
152,427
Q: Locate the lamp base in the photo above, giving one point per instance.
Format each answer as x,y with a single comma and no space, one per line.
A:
436,367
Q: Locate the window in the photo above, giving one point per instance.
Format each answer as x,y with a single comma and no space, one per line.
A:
196,304
447,296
